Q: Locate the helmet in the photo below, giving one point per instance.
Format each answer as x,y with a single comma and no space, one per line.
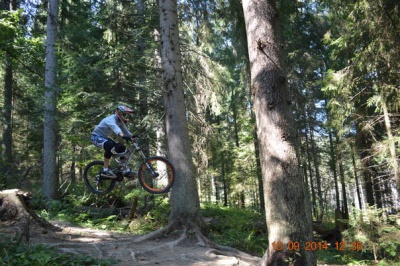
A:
123,112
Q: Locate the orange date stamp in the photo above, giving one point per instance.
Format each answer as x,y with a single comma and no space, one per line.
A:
316,246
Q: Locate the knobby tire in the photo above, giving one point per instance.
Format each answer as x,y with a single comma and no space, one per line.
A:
93,180
164,178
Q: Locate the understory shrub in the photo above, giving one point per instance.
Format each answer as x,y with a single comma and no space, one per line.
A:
240,228
378,231
17,253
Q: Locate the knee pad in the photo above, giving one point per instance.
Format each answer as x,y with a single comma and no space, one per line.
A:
110,148
118,148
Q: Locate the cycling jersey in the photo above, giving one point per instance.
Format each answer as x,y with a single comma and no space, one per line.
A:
111,124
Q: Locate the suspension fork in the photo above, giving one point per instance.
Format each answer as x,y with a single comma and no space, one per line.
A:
139,150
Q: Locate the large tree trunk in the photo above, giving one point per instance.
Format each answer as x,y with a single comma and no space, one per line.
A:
50,178
6,144
143,92
287,208
185,206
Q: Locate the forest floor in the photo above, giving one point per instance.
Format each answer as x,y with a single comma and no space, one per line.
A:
19,224
107,245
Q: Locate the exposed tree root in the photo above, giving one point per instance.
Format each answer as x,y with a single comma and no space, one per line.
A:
202,240
229,251
155,234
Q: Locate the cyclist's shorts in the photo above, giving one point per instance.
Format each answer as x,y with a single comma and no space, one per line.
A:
98,141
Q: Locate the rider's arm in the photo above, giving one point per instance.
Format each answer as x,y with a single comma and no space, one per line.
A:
125,134
122,135
118,128
125,130
107,126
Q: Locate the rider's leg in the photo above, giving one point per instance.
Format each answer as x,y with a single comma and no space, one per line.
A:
110,148
106,163
118,148
107,145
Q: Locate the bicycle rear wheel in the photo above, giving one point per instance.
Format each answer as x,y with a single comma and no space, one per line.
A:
156,175
94,181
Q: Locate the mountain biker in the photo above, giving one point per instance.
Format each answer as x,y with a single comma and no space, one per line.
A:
114,123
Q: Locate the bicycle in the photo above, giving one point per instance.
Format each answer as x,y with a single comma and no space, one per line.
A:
156,174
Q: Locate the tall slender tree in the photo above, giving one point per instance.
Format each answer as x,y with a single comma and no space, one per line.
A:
185,205
287,209
6,147
50,177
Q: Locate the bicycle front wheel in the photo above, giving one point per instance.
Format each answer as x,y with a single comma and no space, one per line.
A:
156,175
94,181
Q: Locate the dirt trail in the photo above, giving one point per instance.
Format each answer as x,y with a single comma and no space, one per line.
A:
110,245
17,219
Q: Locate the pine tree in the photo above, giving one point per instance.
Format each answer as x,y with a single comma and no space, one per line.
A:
287,209
50,177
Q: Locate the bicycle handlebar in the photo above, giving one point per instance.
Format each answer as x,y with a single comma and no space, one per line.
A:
134,138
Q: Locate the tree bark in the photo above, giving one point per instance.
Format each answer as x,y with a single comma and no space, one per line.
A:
310,170
353,159
224,181
363,146
288,214
320,207
6,147
185,205
14,210
258,170
345,208
7,119
333,169
143,92
50,178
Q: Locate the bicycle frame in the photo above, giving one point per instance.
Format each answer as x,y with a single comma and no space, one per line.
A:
155,173
139,150
128,153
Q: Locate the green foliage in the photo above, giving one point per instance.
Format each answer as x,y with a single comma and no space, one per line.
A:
245,230
107,53
379,233
152,212
239,228
153,219
19,254
364,63
9,28
332,256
